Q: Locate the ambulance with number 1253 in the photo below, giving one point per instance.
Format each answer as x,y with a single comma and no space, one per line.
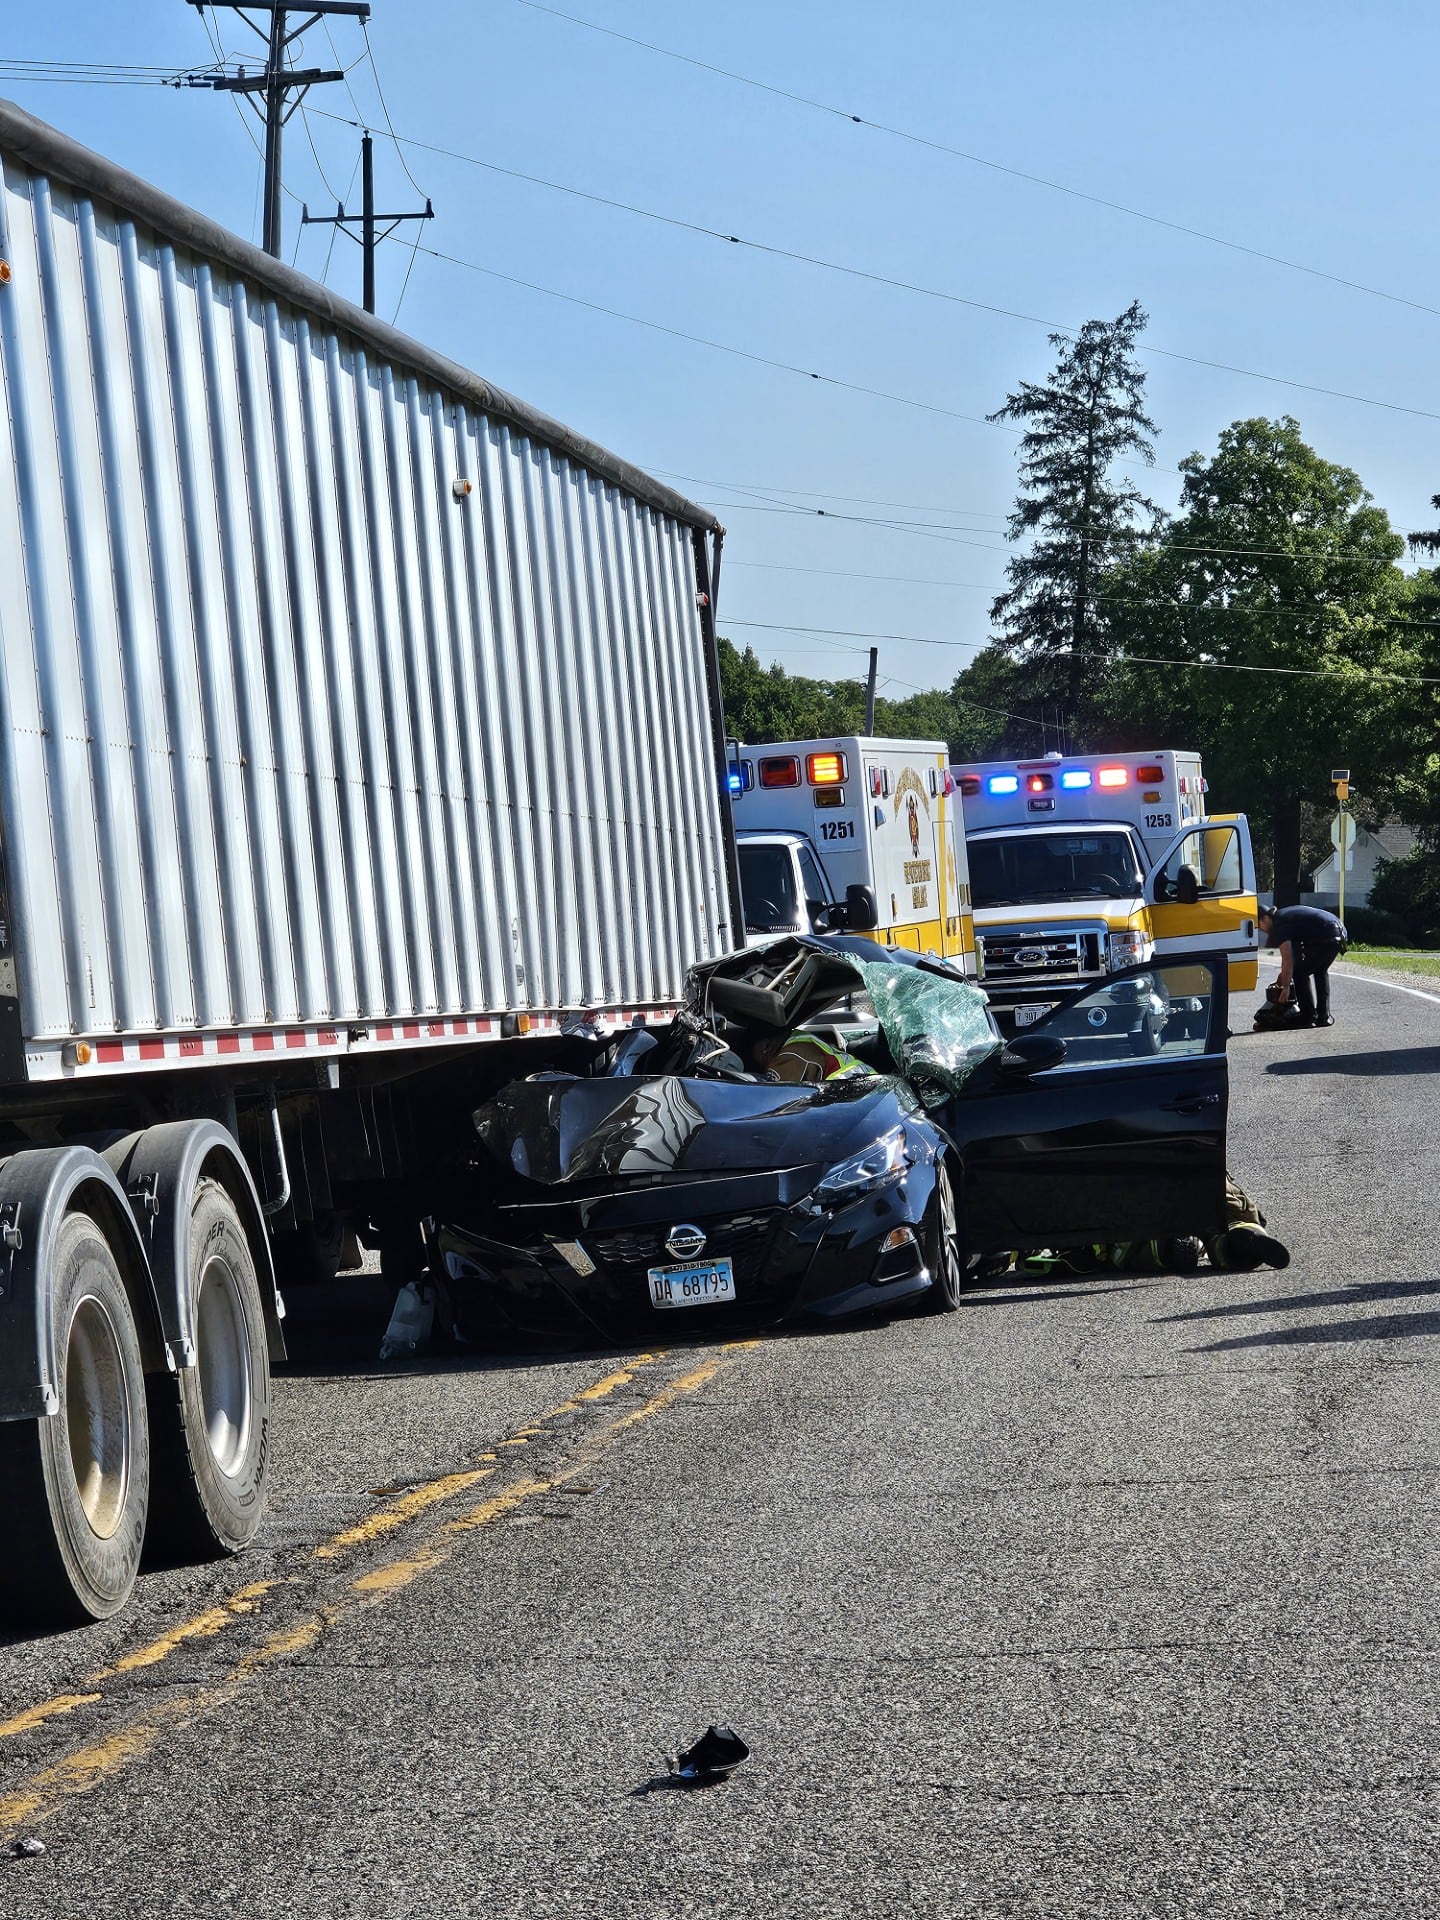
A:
1083,864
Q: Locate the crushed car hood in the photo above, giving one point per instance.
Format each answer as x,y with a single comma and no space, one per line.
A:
557,1130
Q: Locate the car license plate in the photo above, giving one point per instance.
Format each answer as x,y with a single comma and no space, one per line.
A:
706,1285
1027,1016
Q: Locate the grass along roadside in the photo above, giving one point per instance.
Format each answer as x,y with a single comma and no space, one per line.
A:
1394,960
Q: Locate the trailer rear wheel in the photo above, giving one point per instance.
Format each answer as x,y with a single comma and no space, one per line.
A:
212,1420
77,1482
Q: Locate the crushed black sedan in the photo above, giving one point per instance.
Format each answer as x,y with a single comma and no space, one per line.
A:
751,1163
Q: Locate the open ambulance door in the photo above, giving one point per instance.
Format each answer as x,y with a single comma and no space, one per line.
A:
1201,896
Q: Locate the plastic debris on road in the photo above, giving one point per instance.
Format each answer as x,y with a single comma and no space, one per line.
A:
713,1756
27,1849
411,1323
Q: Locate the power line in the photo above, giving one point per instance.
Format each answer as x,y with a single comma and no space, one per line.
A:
1119,659
979,160
716,346
889,280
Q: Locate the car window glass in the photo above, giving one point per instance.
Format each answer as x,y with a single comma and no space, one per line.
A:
767,882
1159,1012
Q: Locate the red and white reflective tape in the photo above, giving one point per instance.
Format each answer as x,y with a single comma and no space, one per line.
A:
130,1053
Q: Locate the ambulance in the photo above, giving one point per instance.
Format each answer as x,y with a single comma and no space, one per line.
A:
1083,864
853,835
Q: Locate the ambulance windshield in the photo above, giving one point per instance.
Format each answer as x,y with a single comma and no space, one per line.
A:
767,881
1027,868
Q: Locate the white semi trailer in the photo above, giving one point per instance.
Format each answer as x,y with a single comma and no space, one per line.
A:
359,728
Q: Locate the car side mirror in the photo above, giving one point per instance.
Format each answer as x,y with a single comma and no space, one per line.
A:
861,913
830,917
1187,887
1031,1053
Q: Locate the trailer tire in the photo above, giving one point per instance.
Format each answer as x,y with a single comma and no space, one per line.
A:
77,1482
211,1421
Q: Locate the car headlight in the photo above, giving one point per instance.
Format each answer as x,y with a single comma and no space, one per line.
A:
880,1165
1129,949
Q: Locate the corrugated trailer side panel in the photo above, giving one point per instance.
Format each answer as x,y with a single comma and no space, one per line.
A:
292,732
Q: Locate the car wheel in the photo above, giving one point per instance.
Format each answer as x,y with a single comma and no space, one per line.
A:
942,1248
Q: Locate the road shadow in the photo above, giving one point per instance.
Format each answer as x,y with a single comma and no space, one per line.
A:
1358,1293
1389,1060
1421,1324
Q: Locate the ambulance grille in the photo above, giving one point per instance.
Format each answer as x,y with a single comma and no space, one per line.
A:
1038,956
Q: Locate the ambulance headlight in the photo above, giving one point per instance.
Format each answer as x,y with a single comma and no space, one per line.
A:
1129,949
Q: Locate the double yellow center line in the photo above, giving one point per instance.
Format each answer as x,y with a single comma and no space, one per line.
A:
32,1801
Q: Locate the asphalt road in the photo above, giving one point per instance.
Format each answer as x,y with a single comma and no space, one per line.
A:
1112,1597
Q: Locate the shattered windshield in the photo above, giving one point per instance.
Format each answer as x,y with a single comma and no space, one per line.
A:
1029,869
937,1030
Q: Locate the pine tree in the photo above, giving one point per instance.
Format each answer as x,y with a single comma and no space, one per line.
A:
1087,417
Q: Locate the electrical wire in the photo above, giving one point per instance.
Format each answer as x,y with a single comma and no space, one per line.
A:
716,346
1120,659
384,108
848,271
979,160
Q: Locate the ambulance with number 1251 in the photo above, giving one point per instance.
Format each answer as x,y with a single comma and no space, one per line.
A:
1083,864
855,835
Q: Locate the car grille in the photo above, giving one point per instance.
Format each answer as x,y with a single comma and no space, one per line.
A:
745,1240
1039,956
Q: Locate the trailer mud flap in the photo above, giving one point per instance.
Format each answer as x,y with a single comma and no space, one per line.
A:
37,1189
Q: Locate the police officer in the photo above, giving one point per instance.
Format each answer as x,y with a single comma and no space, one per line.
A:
1309,940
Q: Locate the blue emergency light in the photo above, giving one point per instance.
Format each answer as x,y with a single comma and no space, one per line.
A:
1004,783
741,776
1075,779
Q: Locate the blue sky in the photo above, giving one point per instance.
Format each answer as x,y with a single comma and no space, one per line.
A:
1305,131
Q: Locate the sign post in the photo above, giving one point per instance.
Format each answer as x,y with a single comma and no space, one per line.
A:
1342,832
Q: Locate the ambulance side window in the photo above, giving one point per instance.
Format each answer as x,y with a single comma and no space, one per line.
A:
1204,865
813,879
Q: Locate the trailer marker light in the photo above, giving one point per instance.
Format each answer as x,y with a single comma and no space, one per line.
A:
877,784
782,771
1113,776
1038,783
1146,775
825,769
1075,778
830,796
1151,799
1004,783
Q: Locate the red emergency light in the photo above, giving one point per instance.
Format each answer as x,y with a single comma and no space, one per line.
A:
780,771
1149,776
1038,783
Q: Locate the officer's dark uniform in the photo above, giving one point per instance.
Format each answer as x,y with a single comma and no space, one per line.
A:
1315,937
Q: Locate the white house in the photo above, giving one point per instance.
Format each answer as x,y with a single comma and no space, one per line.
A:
1391,842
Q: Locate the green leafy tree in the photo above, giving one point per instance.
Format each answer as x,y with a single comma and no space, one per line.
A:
1076,515
1278,581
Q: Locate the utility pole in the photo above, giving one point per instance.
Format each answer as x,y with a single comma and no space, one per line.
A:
278,82
367,219
870,691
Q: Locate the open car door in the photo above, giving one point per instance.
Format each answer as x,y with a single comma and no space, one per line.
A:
1202,896
1123,1138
